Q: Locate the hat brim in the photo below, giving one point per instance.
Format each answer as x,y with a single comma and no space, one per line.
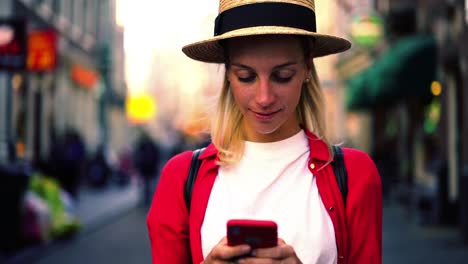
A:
211,51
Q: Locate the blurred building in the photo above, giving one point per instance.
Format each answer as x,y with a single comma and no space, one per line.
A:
61,103
410,89
84,92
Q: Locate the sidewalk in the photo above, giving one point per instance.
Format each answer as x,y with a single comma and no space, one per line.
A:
99,206
95,208
407,242
123,241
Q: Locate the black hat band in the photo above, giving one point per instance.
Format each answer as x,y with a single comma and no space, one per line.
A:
265,14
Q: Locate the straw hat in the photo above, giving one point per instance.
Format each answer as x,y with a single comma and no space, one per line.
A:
238,18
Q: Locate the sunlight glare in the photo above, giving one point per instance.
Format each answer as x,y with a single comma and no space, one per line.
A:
154,27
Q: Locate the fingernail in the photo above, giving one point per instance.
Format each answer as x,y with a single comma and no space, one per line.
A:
246,248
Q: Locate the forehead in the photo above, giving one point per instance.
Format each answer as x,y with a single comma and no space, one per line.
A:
272,47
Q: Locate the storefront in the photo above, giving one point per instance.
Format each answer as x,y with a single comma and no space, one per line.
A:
405,71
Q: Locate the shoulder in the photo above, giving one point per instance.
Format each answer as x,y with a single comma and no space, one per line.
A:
178,163
356,156
173,176
360,167
175,171
168,210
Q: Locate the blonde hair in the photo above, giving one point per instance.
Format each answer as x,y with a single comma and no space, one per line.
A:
226,128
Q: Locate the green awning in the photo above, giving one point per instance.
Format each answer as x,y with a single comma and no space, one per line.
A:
357,93
404,70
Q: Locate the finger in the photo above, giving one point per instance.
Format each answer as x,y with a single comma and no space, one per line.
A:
224,252
281,242
223,241
251,260
279,252
227,252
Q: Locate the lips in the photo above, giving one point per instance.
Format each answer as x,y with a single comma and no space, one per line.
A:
265,115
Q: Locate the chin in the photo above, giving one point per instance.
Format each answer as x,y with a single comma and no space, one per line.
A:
267,130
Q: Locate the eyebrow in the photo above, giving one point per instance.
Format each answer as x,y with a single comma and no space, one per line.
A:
240,65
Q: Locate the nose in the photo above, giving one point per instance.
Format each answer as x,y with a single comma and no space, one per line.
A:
264,93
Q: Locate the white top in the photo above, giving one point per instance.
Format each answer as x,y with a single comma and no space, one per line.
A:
272,182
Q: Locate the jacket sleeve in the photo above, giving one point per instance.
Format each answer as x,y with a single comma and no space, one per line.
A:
363,209
168,219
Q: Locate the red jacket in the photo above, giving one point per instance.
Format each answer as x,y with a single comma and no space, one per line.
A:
358,227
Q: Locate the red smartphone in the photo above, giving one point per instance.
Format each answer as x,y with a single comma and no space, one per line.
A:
255,233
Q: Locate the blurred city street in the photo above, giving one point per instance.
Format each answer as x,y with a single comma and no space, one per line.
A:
124,239
405,242
96,96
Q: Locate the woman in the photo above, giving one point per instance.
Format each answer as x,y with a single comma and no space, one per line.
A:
269,157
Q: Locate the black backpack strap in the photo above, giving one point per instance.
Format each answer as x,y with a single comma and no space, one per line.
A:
339,169
192,175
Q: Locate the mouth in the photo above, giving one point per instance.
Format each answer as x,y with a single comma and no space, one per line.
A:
265,115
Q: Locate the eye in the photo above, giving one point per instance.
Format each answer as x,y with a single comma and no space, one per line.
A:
246,77
282,76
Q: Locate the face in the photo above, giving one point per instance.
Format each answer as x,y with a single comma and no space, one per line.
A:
266,74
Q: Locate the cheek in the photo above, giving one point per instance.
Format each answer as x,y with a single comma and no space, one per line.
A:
294,94
240,95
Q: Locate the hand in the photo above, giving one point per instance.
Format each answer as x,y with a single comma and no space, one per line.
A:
222,253
281,254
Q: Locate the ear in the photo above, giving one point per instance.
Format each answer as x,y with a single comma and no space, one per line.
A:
309,67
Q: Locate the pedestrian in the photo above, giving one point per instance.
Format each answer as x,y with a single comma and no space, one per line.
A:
147,158
270,158
99,168
67,161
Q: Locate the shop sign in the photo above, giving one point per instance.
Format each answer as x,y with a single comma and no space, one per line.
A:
42,51
83,76
12,44
367,30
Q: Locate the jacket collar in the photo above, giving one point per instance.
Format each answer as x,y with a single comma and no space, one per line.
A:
209,152
318,149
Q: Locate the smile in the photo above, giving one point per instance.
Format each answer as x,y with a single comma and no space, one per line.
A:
265,116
